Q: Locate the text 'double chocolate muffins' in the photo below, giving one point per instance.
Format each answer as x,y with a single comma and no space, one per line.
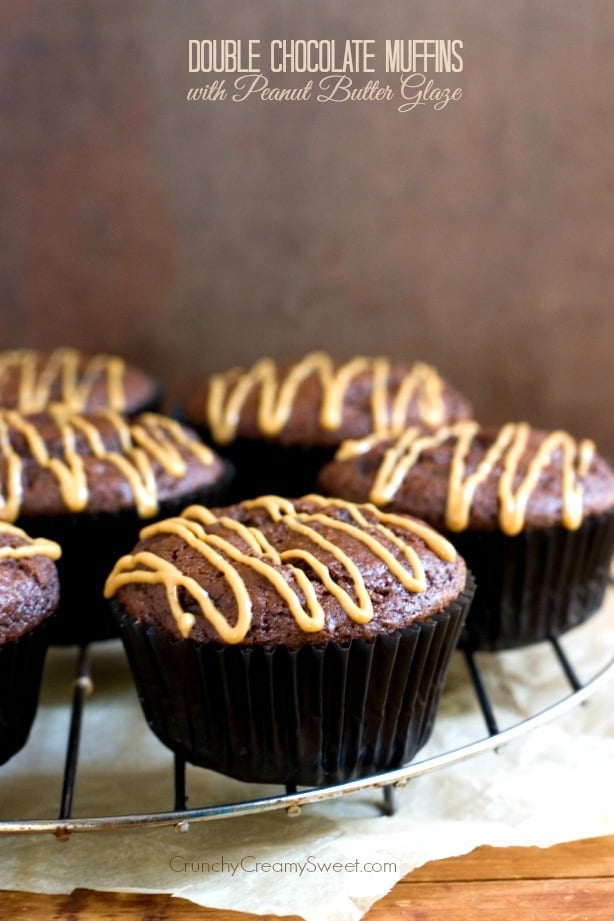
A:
290,642
532,512
87,481
31,379
280,422
29,593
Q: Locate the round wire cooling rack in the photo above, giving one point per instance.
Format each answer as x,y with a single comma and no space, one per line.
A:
292,800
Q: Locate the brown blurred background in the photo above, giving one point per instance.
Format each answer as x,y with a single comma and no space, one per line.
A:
193,236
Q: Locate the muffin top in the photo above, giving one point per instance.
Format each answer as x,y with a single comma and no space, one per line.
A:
31,379
511,478
58,462
29,586
272,572
319,402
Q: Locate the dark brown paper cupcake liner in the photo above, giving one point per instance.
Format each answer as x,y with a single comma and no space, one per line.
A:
309,716
536,585
91,545
267,467
21,669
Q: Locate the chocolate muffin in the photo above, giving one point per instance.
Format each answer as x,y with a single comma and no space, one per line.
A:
532,513
31,379
280,423
301,642
87,481
29,592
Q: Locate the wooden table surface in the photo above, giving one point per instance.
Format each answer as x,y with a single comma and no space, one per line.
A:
568,882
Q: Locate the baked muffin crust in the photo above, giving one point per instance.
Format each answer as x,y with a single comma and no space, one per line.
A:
273,572
29,586
319,401
58,461
31,379
465,476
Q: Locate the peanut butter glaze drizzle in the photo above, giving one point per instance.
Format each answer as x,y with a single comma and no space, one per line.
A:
33,546
228,393
506,452
35,382
263,558
149,438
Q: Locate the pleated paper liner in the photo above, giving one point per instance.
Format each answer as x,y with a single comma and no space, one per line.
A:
536,585
269,467
310,716
21,669
91,545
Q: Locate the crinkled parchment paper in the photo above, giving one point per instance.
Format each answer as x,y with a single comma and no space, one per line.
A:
335,859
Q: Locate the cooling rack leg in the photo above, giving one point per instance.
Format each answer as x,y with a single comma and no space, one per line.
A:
480,690
388,805
82,687
181,798
565,664
292,811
